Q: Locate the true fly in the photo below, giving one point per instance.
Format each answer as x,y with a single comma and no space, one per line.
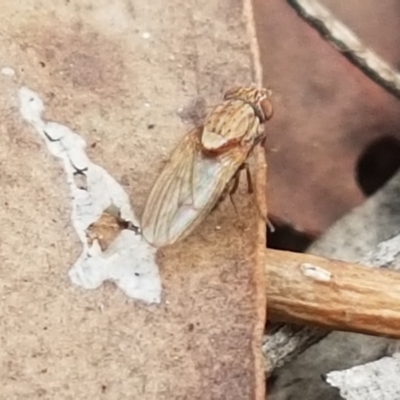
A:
204,165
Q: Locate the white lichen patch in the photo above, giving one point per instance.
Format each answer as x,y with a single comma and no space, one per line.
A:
129,261
315,272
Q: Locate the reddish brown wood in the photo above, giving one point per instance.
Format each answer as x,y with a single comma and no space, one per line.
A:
307,289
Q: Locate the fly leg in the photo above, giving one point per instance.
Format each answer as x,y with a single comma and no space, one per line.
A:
229,190
232,187
234,184
250,188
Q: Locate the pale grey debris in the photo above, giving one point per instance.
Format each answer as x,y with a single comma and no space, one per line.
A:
378,380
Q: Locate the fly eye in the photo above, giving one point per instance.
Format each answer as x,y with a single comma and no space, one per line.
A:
267,109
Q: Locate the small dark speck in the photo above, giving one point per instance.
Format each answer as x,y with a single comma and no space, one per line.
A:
190,327
103,388
137,274
42,64
150,126
93,145
43,371
45,328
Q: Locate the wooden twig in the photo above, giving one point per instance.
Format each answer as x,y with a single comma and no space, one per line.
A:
307,289
362,236
349,44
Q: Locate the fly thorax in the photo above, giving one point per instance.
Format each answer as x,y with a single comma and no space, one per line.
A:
252,134
227,124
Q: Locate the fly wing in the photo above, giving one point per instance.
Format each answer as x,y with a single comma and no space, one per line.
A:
187,189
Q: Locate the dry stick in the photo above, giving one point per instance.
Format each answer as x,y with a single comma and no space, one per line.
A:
332,294
368,235
348,43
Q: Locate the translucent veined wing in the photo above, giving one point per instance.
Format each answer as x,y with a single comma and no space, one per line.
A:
187,189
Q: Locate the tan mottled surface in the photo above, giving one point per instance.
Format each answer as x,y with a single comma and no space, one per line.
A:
98,75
